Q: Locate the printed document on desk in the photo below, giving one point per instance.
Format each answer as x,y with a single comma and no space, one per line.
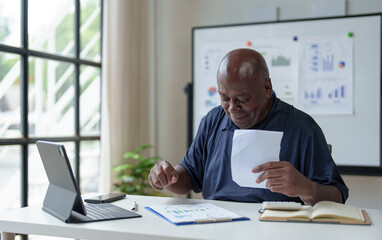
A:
251,148
194,213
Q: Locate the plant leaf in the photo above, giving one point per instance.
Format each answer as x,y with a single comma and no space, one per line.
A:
131,155
122,167
140,148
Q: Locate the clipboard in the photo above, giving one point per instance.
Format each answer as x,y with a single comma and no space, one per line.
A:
194,214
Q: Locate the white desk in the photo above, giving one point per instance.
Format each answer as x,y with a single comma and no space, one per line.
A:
32,220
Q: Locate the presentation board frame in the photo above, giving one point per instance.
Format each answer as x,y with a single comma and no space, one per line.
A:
350,169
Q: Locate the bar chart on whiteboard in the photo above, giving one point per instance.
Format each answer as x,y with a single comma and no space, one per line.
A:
326,74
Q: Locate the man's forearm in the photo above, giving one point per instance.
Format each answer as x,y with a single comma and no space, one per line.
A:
318,193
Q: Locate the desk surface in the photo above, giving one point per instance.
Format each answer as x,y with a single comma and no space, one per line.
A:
32,220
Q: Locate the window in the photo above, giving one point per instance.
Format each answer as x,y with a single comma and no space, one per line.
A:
50,89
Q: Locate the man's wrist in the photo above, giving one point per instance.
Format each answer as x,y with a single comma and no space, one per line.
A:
309,193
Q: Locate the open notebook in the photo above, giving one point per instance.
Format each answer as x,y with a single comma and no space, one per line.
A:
323,212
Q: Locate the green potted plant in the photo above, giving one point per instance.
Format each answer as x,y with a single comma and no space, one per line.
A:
133,175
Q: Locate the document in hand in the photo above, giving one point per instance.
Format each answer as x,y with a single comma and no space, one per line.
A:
251,148
324,212
194,213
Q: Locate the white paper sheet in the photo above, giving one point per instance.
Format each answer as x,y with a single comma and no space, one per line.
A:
251,148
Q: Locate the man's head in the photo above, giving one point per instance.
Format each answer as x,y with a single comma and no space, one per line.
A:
245,87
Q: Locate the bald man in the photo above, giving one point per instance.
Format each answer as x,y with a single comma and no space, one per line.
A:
306,172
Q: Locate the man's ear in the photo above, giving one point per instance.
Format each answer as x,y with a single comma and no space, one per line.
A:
268,87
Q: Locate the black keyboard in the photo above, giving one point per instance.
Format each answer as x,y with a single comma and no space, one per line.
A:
98,212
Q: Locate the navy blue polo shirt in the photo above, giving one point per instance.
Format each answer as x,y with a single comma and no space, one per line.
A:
208,160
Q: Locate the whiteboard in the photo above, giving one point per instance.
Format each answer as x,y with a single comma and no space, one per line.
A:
355,136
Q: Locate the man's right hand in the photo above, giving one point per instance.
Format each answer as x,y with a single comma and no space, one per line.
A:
162,175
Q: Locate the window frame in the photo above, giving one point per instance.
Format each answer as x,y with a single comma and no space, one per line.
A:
24,52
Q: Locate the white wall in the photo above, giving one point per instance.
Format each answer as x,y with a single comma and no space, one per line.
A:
174,21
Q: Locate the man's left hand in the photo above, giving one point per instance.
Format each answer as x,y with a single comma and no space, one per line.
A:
283,177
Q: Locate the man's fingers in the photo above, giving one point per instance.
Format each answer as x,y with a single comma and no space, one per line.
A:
175,176
162,175
153,181
271,170
270,173
155,185
281,177
168,170
268,165
277,188
170,173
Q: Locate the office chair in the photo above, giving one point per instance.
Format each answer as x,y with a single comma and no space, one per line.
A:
330,148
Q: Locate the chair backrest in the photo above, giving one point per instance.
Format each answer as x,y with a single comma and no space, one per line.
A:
330,148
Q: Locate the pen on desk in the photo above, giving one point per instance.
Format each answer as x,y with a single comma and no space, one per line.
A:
135,207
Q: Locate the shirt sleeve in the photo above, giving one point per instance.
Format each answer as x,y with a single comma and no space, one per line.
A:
193,159
323,169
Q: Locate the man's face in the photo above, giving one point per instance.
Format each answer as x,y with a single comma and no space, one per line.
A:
246,102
